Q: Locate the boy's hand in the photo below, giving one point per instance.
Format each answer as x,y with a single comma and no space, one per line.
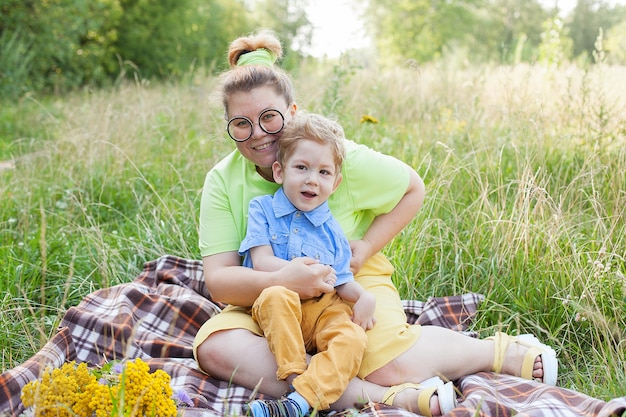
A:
363,311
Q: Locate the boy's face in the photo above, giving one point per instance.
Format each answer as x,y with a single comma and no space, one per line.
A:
309,175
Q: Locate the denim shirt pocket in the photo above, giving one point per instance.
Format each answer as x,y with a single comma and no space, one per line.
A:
323,254
279,239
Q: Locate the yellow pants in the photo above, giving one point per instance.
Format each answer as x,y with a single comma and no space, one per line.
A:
322,325
390,337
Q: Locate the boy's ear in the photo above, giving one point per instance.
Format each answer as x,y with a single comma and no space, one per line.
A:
337,181
277,172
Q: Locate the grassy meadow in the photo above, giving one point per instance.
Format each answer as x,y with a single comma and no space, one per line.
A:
525,169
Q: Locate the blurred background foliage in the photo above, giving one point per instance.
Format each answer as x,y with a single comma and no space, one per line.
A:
500,31
54,46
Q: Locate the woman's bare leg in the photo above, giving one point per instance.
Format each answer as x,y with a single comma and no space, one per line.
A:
441,352
242,357
249,362
449,355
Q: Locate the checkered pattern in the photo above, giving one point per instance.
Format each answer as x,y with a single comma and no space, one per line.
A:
156,316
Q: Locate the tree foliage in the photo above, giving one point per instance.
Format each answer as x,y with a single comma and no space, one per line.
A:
503,31
616,43
288,19
514,24
555,45
59,45
586,21
66,43
418,29
169,38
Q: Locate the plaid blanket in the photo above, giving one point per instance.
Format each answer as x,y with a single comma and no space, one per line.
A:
156,316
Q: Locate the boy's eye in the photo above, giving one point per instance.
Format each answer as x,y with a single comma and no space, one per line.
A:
325,172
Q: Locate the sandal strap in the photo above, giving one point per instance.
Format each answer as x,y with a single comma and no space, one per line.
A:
391,393
423,398
528,362
501,344
502,341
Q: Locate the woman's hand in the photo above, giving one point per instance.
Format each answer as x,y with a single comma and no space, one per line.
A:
361,252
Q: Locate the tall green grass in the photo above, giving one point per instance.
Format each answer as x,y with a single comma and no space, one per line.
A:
526,195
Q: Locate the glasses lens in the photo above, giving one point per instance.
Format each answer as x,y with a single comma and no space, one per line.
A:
271,121
240,129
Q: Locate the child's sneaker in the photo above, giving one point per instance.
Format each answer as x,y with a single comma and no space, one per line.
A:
273,408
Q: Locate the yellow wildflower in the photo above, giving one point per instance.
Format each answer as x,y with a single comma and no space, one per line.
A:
127,389
366,118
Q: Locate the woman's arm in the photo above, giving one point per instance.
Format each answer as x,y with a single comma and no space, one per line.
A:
231,283
386,226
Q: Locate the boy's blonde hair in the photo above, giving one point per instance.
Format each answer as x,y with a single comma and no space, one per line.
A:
313,127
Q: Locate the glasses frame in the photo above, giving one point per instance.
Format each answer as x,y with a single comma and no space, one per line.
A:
282,126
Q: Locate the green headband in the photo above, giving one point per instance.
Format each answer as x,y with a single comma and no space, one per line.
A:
260,56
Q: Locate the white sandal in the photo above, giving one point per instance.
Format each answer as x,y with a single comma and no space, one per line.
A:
446,395
535,348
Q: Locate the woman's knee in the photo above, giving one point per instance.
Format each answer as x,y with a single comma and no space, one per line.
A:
211,355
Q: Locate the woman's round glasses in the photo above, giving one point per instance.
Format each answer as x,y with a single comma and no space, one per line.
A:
240,128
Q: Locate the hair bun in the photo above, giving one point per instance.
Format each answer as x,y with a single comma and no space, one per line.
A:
260,56
245,45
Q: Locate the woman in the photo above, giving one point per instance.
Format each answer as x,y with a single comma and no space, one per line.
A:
372,206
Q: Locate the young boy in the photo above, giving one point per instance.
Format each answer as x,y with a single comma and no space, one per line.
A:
297,222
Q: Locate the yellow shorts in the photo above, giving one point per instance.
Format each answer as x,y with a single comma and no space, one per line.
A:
390,337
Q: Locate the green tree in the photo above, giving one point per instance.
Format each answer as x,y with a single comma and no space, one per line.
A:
417,29
510,22
616,44
57,45
288,19
68,42
490,29
585,22
169,38
16,58
555,45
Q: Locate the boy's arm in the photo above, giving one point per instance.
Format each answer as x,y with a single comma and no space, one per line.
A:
256,241
350,292
263,259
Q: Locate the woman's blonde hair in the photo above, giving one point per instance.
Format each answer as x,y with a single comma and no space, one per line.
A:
248,77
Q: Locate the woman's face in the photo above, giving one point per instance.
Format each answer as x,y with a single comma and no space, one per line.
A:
261,148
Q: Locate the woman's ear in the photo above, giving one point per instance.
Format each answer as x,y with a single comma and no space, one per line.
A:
337,181
277,172
293,107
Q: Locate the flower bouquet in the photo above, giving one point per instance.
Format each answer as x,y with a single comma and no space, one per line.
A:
120,389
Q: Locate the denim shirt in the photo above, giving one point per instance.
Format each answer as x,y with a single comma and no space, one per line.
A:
273,220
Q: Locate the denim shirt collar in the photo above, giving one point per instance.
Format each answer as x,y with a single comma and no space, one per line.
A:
283,207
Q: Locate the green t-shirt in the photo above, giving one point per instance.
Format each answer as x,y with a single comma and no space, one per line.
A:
373,183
